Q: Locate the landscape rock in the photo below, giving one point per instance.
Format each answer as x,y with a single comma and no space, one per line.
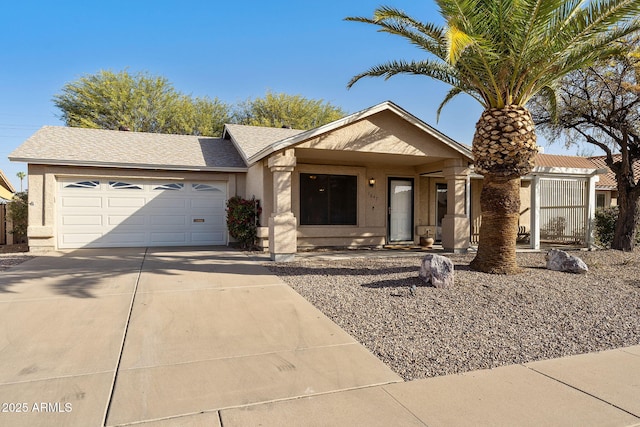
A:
437,270
558,260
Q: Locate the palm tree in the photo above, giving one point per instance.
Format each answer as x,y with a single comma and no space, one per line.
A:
21,176
502,53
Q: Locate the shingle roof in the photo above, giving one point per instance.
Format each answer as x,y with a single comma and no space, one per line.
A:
251,139
4,183
79,146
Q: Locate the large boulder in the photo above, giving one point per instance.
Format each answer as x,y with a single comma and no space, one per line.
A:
437,270
558,260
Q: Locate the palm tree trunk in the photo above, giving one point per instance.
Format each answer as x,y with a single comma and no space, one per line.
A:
504,149
500,206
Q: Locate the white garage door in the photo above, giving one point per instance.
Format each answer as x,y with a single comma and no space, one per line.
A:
98,213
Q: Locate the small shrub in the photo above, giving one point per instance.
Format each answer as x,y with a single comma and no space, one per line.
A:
17,212
243,220
605,223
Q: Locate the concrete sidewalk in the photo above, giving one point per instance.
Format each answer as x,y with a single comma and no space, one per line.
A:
601,389
208,337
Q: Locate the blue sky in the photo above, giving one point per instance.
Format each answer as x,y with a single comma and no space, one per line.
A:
231,50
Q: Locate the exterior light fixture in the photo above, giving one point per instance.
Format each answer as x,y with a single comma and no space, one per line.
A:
372,182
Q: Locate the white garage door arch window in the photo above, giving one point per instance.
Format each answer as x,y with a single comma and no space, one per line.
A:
99,212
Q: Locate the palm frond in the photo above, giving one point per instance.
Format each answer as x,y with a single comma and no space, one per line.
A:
428,37
435,70
455,92
505,51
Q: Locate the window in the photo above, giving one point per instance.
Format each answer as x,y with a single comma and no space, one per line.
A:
328,199
600,200
204,187
119,185
83,184
171,186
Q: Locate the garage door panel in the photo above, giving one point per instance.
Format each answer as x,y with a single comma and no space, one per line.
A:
82,220
137,220
207,203
142,213
168,220
77,202
126,202
169,203
168,238
80,238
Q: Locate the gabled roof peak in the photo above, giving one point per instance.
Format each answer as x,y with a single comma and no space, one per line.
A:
265,140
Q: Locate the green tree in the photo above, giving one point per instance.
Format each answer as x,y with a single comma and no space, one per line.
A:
282,110
601,105
140,102
502,53
21,176
17,212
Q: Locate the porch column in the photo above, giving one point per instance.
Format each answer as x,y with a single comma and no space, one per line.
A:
534,227
591,210
455,224
282,223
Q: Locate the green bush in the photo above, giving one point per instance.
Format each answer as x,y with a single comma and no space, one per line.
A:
243,220
17,212
605,222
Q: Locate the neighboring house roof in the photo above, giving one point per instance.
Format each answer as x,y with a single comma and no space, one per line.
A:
6,189
564,165
560,161
257,149
608,181
96,147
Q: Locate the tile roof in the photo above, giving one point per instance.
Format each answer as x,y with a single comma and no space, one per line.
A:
79,146
608,181
560,161
251,139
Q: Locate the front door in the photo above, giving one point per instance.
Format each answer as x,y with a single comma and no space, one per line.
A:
441,208
400,210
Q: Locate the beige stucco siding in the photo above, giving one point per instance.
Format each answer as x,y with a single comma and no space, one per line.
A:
372,203
381,133
525,205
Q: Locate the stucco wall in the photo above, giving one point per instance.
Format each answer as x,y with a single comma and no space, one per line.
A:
372,215
525,205
382,133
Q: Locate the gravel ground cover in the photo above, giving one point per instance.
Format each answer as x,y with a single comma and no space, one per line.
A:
9,260
485,320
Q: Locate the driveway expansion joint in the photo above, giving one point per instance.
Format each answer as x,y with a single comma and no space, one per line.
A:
583,392
124,339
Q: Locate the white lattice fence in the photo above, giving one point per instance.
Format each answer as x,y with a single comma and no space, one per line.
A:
563,209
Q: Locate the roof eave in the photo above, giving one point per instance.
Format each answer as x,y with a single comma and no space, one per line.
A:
6,182
555,170
190,168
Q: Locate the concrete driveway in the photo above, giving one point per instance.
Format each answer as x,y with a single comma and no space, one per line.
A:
162,336
208,337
